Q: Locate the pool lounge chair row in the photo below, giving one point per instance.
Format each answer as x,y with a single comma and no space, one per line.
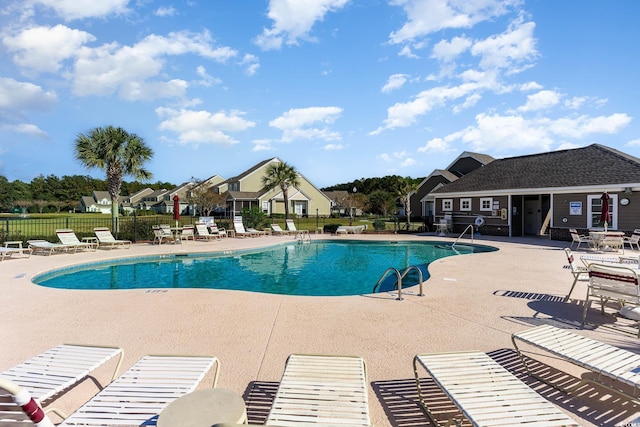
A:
322,389
69,242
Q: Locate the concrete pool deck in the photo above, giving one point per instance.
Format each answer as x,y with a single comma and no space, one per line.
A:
471,302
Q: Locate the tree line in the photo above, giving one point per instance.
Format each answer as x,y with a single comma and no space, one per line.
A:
55,194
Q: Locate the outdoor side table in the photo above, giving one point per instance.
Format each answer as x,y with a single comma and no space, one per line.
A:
92,241
204,408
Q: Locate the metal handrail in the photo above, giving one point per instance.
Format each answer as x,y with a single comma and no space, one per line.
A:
400,276
397,273
413,267
470,226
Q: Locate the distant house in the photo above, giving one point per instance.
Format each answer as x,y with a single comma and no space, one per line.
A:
99,201
132,202
422,201
545,194
245,191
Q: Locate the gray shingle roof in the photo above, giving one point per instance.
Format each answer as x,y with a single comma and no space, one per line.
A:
592,165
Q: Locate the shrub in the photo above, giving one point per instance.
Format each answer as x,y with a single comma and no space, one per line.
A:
379,225
330,228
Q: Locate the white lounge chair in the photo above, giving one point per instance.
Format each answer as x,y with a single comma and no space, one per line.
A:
202,232
7,252
321,390
278,231
607,361
241,231
219,231
106,239
47,248
55,371
291,226
68,237
139,395
485,392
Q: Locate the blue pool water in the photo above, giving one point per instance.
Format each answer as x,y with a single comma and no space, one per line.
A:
312,269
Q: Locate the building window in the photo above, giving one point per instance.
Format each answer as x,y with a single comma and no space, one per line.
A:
594,211
234,186
265,207
447,205
486,203
465,204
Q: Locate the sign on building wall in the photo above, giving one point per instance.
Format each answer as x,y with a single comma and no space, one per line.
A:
575,208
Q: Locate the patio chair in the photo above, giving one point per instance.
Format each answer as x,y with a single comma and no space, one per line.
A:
47,248
485,392
278,231
605,360
46,376
106,239
219,231
240,230
580,239
202,232
609,282
161,234
69,238
633,240
579,272
187,233
321,390
255,232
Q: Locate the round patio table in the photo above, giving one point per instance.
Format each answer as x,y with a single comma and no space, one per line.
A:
204,408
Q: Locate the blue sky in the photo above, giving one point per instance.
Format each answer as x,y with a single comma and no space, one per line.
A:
340,89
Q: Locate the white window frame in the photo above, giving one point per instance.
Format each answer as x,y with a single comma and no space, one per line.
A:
265,206
613,210
466,201
447,205
486,204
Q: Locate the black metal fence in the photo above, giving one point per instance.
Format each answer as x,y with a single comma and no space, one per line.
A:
134,228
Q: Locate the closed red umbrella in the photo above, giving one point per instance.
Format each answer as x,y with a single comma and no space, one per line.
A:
176,208
605,216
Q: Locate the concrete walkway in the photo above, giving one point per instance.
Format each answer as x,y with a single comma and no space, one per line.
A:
472,302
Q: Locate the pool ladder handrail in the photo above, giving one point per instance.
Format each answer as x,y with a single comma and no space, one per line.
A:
400,276
470,226
303,237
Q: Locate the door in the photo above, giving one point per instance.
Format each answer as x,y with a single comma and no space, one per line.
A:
532,219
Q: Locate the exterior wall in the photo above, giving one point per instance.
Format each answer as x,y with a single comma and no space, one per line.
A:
317,199
253,182
494,224
431,183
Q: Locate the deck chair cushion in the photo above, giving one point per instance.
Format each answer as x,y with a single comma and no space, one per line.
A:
630,312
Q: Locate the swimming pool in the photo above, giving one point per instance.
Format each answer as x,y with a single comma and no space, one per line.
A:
319,268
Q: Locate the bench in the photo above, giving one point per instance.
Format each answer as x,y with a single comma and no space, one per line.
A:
606,360
485,392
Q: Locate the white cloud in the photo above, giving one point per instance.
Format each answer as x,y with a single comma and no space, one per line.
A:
293,20
470,101
165,11
541,101
529,86
512,50
435,145
334,147
18,96
428,16
202,127
251,63
447,51
512,132
44,48
147,91
104,70
297,123
385,157
633,143
395,81
407,163
262,145
79,9
207,80
28,129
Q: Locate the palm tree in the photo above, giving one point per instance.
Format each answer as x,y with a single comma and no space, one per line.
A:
406,189
116,152
284,176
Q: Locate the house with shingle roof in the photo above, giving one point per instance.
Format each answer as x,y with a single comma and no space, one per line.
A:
422,201
545,194
245,191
